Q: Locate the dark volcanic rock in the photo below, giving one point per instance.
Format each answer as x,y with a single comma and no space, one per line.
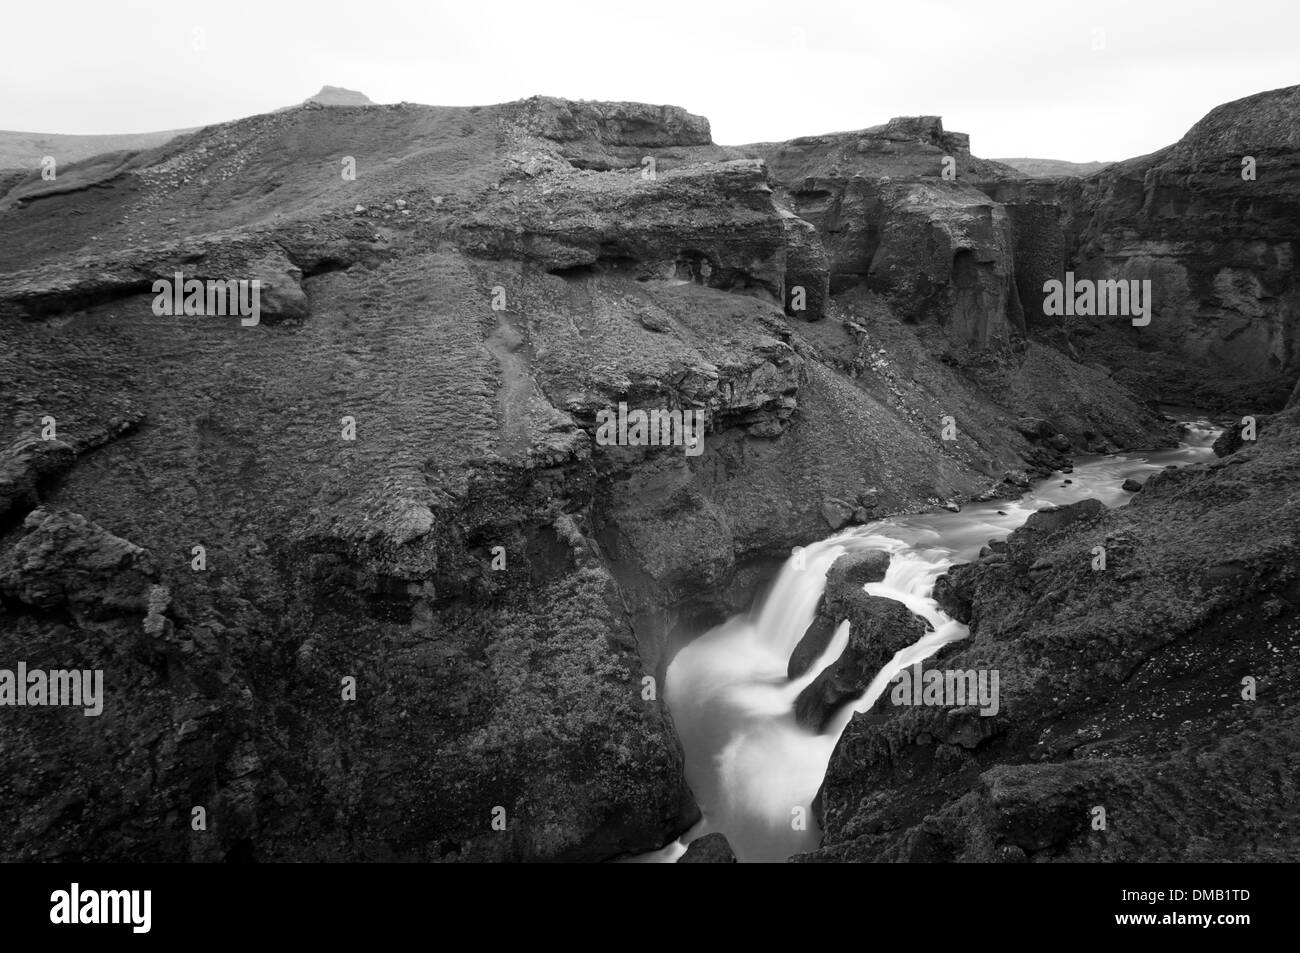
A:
1232,439
951,598
25,463
847,575
852,571
64,559
1033,428
709,849
1052,519
807,272
836,513
31,460
878,628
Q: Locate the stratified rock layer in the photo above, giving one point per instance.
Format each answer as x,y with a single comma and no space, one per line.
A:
1210,223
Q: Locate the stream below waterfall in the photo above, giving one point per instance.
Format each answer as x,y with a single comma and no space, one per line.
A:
749,763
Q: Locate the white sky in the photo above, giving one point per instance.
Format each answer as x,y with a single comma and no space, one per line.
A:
1023,78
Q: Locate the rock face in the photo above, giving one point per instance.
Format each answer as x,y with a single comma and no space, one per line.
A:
937,247
602,136
948,254
1134,689
1209,221
431,598
713,224
85,282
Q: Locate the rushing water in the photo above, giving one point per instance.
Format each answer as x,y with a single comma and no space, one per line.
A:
749,763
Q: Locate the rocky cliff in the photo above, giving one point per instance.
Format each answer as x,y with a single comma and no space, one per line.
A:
898,212
1210,222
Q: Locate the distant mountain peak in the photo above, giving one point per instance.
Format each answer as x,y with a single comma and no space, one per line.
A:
338,96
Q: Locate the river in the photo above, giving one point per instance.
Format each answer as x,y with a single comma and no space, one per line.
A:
753,768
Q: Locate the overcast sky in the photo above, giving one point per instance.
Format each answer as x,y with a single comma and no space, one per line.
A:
1045,78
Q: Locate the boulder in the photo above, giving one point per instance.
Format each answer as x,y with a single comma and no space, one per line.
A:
878,628
837,513
66,560
1052,519
844,579
1231,440
709,849
1034,428
854,570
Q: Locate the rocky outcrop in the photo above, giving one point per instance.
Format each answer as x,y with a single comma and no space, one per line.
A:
25,463
601,136
338,96
897,212
946,255
878,628
88,281
65,560
30,460
711,224
1234,438
709,849
807,273
1040,246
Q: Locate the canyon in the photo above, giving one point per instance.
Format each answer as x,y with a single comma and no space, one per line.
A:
821,304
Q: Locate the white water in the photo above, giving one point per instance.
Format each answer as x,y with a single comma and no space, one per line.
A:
749,763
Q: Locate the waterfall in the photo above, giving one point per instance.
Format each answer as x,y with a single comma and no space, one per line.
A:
754,769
